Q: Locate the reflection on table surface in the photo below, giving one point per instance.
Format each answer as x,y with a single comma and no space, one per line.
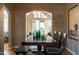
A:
48,39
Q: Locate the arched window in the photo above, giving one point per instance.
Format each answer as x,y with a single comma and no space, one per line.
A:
39,24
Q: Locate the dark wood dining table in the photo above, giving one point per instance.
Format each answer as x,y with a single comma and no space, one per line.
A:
30,41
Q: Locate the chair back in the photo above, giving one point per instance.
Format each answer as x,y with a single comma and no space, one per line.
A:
55,35
59,39
62,41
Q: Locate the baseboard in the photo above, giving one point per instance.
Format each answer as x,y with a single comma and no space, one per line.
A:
71,52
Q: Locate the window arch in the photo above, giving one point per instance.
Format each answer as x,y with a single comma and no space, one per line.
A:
39,21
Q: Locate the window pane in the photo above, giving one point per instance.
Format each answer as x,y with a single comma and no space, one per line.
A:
37,24
5,21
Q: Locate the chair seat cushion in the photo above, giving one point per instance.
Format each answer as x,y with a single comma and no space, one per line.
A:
53,51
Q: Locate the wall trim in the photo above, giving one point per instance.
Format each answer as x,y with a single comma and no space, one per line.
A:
70,51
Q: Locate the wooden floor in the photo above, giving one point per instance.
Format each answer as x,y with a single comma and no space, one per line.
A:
8,51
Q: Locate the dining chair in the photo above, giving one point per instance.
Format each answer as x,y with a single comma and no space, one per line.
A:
57,37
57,50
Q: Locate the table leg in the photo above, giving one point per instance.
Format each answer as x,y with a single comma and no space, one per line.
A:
39,49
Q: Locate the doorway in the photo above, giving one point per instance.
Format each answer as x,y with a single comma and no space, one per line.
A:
6,30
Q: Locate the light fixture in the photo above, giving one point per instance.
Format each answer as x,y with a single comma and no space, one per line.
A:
35,14
45,16
39,14
42,14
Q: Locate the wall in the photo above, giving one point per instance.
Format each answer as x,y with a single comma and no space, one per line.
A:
72,45
19,30
19,15
1,30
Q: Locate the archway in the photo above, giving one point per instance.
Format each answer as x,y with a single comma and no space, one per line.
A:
6,30
38,21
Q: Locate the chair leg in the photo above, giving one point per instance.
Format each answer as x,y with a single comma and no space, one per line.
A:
44,50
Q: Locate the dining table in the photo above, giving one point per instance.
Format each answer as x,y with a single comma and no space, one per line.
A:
39,43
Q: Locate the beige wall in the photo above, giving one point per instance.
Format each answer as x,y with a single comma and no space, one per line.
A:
19,30
1,29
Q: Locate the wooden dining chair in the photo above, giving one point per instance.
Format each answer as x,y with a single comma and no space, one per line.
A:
60,49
